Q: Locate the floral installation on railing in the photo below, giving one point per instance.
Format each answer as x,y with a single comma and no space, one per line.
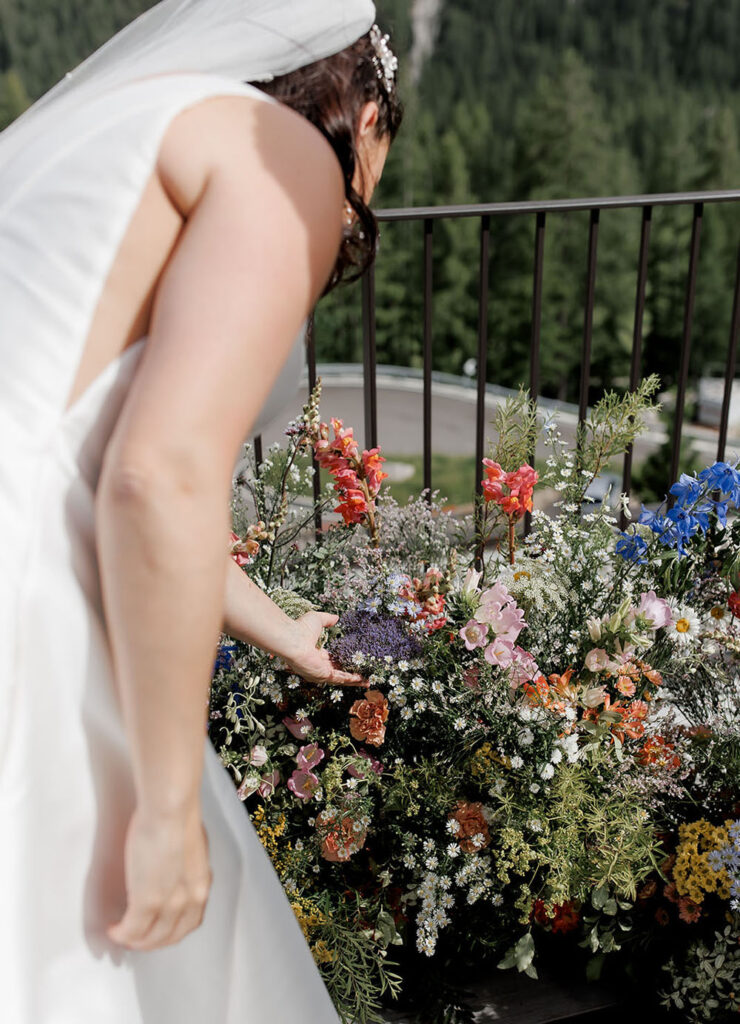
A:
549,750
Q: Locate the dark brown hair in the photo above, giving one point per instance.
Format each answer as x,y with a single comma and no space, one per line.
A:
331,93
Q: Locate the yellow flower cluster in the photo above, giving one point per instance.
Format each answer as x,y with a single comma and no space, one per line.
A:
693,874
321,952
269,836
484,762
310,917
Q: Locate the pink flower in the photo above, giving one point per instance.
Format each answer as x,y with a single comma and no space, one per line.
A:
269,784
506,620
597,660
655,609
299,727
497,594
500,652
303,783
509,622
309,756
475,634
258,756
524,667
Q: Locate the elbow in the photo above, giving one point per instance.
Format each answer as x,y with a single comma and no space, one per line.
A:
149,481
127,484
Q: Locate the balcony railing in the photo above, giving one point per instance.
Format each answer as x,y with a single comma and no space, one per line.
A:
538,211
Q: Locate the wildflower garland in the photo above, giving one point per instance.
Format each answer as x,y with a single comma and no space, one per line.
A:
550,742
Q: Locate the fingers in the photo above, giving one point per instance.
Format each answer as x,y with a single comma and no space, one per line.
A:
188,922
133,926
340,678
152,929
162,926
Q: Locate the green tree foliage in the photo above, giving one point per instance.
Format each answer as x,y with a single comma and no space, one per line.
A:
519,99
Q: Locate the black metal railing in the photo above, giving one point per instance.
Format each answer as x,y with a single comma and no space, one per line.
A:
427,216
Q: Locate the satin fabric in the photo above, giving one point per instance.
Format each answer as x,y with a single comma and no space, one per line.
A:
66,790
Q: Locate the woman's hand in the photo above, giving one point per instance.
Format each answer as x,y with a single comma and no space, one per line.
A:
313,663
168,878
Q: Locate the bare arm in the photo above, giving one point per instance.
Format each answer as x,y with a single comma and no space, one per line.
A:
257,248
252,617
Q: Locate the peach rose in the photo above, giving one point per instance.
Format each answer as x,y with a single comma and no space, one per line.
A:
370,715
471,820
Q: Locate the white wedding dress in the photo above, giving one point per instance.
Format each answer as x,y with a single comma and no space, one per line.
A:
66,794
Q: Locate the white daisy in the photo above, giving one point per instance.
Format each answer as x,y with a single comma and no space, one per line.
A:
686,623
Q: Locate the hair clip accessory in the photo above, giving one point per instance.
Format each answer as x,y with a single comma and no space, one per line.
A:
385,61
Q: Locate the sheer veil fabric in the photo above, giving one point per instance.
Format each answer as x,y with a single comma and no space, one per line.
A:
72,172
245,40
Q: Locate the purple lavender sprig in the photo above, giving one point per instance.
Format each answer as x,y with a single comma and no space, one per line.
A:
375,637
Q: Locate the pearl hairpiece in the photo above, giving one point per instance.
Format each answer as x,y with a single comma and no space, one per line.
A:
385,61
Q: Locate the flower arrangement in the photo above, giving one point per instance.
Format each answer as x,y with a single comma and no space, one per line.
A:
549,749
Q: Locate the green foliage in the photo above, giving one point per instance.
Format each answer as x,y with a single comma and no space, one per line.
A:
614,423
516,425
704,988
602,843
357,977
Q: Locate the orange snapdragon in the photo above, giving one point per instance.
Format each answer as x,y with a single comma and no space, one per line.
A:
357,475
512,492
519,484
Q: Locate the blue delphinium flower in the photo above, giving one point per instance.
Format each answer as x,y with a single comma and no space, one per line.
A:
687,489
632,547
691,512
722,477
224,657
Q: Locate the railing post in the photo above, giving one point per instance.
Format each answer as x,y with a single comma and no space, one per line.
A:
588,317
370,391
730,369
482,362
428,229
534,345
683,372
636,362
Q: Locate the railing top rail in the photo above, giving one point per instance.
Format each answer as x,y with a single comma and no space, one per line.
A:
555,205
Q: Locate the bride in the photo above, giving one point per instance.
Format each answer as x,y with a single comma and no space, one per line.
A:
169,215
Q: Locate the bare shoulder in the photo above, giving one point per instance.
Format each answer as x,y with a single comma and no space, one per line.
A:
247,140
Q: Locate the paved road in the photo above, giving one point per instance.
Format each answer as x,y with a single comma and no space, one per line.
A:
400,417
